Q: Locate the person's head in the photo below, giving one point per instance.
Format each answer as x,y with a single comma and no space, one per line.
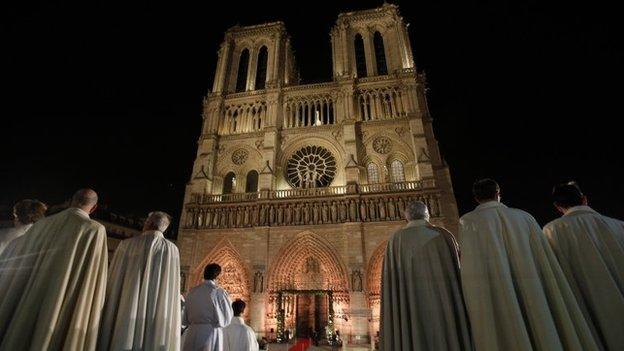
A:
238,306
416,210
485,190
567,195
157,220
28,211
85,199
212,271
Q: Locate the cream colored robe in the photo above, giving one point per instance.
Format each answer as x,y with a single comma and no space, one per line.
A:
142,310
590,249
9,234
422,306
516,294
207,311
239,337
53,284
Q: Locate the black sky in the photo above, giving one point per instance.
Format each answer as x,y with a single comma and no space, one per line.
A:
108,94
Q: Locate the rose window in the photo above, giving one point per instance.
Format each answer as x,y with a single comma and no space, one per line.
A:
311,167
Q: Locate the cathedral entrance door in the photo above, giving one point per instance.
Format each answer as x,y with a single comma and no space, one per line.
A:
312,312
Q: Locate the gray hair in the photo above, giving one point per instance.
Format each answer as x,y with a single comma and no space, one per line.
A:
416,210
158,220
84,198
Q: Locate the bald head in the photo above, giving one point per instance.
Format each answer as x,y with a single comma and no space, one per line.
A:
85,199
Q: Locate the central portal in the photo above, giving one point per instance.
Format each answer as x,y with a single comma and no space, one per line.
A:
305,314
312,315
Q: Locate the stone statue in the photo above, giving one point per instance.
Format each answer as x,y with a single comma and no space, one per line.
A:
297,214
401,208
342,210
280,214
315,213
288,215
334,212
372,215
363,211
352,211
263,215
381,206
356,281
306,214
325,213
391,209
208,218
271,214
258,282
231,216
246,216
239,217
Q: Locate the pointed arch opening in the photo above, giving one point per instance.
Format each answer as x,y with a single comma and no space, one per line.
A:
251,184
261,68
243,66
229,183
397,172
380,54
234,277
360,56
373,173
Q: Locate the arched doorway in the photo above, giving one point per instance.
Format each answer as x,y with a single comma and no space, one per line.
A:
308,288
234,277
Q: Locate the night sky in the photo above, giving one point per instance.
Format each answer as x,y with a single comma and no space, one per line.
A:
108,94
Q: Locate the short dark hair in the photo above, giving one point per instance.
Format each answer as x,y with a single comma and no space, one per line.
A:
567,194
212,271
238,306
29,211
485,189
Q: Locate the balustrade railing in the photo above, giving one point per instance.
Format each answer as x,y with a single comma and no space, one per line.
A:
369,203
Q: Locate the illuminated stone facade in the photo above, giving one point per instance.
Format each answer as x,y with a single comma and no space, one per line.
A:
297,187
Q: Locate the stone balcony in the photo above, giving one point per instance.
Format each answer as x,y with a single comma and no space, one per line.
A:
312,206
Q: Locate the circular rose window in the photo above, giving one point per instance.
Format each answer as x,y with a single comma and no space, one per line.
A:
311,167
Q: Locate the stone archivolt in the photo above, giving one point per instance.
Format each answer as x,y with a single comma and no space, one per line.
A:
234,276
298,258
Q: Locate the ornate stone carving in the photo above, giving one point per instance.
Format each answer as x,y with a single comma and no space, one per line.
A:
311,167
382,145
400,131
240,156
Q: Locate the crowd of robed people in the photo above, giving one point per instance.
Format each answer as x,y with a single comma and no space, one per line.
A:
506,284
58,291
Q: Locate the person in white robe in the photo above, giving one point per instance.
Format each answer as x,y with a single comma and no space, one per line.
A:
422,306
590,249
206,312
52,290
142,310
238,336
515,292
25,213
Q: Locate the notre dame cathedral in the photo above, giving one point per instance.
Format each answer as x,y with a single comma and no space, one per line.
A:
296,188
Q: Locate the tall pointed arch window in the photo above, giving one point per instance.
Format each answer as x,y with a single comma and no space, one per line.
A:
251,185
243,65
380,54
360,56
229,183
373,173
261,69
397,173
